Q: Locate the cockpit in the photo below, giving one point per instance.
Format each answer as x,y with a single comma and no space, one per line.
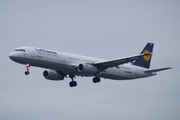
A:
22,50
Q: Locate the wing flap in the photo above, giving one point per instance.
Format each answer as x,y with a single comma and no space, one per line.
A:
157,70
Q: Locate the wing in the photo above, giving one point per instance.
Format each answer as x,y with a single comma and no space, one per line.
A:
103,65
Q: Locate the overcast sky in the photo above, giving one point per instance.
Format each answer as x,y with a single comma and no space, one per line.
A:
98,28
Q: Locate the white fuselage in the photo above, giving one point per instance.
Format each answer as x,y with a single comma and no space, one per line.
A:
66,63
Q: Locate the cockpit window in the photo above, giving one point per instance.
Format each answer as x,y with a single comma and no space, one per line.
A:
22,50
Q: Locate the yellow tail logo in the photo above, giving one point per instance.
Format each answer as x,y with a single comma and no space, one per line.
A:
147,57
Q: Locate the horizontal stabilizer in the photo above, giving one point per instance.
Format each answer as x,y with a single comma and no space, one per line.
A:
157,70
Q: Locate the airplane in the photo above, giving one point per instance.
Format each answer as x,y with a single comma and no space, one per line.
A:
59,65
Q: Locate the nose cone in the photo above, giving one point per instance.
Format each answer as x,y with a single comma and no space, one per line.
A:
15,56
12,56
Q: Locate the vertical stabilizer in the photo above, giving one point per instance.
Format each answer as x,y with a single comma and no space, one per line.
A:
145,61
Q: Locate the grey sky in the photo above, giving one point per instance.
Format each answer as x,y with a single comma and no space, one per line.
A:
99,28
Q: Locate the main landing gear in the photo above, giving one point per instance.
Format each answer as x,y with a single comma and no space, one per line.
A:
96,79
27,69
72,83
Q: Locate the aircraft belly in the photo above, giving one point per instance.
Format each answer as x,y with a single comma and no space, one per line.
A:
114,73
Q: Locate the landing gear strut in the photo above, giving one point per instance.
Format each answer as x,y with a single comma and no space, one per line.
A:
27,69
72,83
96,79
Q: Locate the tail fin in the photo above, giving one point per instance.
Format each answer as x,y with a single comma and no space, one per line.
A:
145,61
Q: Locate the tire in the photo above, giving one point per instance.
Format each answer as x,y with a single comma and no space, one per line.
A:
96,79
27,73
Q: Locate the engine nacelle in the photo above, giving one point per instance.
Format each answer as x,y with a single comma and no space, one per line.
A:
53,75
87,69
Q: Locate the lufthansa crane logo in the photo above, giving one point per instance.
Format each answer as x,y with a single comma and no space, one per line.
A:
146,57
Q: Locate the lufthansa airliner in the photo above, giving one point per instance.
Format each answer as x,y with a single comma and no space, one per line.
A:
60,65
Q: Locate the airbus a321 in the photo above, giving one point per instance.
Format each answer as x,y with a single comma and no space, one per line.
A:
60,65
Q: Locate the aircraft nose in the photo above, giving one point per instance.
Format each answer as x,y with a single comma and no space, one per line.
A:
12,56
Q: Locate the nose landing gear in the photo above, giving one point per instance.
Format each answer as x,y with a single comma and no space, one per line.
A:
27,69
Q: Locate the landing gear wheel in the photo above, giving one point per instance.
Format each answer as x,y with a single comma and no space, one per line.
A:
73,84
96,79
27,73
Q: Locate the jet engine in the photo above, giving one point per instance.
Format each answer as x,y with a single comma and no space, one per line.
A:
87,69
53,75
